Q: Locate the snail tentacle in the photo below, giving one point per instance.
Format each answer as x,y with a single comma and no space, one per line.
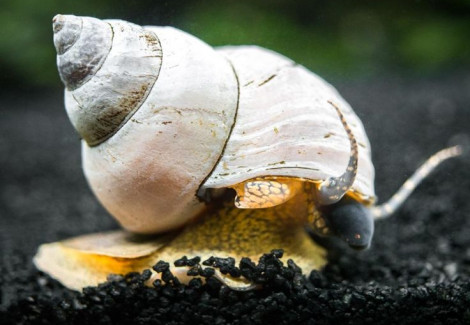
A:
388,208
333,189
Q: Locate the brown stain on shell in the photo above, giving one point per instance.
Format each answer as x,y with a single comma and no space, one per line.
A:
109,121
267,80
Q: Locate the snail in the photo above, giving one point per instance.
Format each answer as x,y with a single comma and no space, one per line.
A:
222,152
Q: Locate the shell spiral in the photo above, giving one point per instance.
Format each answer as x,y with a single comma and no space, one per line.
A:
164,116
134,95
108,70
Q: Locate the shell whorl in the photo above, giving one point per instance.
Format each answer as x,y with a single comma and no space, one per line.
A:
286,128
66,32
148,172
108,68
82,46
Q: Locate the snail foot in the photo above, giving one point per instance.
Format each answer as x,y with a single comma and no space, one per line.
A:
221,238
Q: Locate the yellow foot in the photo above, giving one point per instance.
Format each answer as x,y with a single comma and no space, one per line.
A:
222,232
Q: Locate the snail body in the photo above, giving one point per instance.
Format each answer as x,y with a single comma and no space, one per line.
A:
168,123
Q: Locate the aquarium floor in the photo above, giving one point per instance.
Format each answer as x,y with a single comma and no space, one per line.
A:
417,270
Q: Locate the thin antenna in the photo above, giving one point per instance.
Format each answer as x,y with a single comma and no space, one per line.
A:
386,209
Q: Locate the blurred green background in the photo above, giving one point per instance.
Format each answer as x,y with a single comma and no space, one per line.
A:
336,39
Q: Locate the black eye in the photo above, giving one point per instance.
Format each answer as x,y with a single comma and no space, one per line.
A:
350,221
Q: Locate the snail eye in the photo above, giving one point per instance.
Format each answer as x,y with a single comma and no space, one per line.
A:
265,193
350,221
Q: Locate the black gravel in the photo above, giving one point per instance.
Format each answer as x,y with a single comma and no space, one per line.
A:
417,270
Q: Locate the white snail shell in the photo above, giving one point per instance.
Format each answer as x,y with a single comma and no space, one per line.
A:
164,116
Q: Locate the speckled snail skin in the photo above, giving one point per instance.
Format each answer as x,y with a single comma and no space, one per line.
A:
168,123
